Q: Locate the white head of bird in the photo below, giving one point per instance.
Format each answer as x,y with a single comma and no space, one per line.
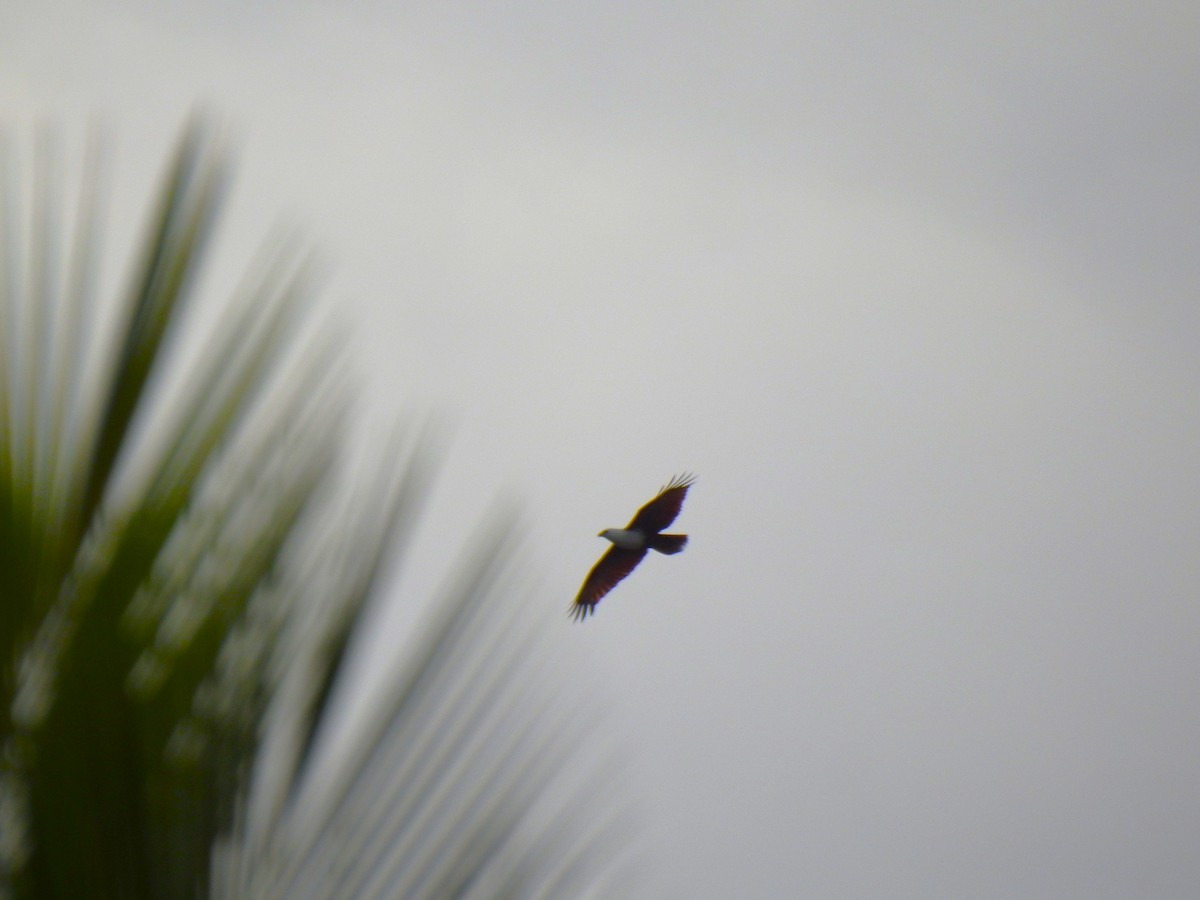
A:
624,538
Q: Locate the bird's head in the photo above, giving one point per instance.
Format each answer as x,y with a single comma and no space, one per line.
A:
625,539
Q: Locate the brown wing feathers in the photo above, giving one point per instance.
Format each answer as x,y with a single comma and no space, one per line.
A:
663,509
605,575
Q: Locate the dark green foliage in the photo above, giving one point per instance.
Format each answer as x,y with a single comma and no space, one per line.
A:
183,571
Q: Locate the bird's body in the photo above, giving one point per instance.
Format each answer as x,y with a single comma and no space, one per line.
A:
631,544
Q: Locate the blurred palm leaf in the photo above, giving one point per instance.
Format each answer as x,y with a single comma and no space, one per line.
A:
184,573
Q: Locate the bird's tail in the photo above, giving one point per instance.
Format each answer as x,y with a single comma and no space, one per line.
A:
668,543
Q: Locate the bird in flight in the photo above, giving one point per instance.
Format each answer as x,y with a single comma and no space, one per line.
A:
631,543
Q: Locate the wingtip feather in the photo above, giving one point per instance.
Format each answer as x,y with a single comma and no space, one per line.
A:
684,480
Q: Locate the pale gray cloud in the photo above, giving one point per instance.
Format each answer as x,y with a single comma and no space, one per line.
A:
912,290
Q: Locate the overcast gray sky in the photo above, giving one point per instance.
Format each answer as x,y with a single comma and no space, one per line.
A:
912,288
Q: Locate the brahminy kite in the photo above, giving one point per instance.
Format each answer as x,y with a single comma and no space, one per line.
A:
631,543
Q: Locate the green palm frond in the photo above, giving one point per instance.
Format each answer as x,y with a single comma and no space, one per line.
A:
185,573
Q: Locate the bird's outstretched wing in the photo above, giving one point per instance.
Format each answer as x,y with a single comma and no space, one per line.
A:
612,567
662,510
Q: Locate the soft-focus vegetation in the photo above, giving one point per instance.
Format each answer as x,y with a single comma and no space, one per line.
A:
184,561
